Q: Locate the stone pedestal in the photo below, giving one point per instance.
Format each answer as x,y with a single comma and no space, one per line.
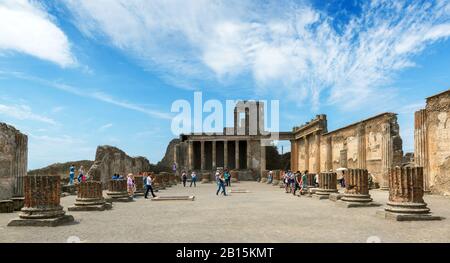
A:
264,176
90,197
406,196
234,176
42,203
18,202
356,192
71,189
6,206
310,180
117,191
165,179
206,178
327,185
173,179
158,182
139,182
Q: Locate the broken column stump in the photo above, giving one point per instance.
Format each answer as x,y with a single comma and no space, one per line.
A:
18,202
6,206
174,198
165,179
206,178
327,185
117,191
70,189
406,196
158,182
90,197
234,176
276,177
356,192
173,179
42,203
264,176
139,182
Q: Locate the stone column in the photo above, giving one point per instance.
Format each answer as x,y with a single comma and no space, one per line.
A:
202,155
406,196
175,156
236,155
361,134
191,155
214,155
117,191
356,192
264,176
249,155
225,154
386,155
306,153
327,185
42,203
329,162
317,159
294,155
421,145
139,182
90,197
263,158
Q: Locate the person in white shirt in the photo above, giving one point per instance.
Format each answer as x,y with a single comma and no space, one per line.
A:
193,179
148,185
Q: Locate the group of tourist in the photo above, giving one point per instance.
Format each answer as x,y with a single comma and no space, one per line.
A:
295,181
193,178
81,175
131,183
223,179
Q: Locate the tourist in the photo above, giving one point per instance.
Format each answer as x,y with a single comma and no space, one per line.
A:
71,174
341,179
81,174
193,179
148,185
316,180
270,177
291,180
184,178
304,183
130,185
297,182
227,177
286,180
221,185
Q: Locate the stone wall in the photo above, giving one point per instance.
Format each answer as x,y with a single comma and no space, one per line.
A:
372,144
432,142
110,160
13,161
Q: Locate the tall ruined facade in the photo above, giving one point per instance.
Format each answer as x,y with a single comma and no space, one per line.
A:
373,144
13,161
432,142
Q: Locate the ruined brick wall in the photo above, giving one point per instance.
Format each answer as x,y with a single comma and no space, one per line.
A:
432,142
110,160
13,161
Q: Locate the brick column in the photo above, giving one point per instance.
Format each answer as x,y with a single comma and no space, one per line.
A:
202,155
214,155
421,145
356,192
327,185
42,203
191,155
236,155
225,154
90,197
406,196
249,156
139,182
117,191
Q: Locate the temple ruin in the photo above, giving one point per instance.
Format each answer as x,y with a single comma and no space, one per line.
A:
13,167
432,142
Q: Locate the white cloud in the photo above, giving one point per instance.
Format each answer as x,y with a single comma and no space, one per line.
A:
27,28
105,127
294,51
24,112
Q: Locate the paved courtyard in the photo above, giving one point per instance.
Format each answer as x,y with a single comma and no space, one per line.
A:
266,214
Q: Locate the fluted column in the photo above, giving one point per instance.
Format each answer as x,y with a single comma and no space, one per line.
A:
294,155
202,155
317,157
361,147
214,154
327,185
421,145
356,192
406,196
306,153
191,155
329,162
249,155
386,155
236,147
225,154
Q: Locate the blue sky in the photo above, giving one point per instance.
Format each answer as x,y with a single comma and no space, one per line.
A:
77,74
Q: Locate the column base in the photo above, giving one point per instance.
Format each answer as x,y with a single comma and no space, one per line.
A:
356,200
346,204
71,189
335,197
118,197
407,217
174,198
139,193
93,207
384,188
323,193
263,180
49,222
6,206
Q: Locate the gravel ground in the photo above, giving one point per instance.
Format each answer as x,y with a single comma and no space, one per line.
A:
266,214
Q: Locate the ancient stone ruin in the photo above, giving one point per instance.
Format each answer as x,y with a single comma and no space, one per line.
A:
406,196
13,167
327,185
432,142
90,197
110,160
42,203
356,192
117,191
